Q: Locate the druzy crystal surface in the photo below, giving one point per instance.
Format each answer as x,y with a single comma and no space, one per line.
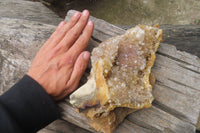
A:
119,81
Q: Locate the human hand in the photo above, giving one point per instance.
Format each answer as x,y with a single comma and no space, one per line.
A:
61,62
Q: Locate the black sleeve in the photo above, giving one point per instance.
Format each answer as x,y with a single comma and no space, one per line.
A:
26,107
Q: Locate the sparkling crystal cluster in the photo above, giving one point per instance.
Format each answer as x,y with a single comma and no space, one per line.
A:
119,80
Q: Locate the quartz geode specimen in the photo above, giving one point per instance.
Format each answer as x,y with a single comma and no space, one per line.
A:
119,81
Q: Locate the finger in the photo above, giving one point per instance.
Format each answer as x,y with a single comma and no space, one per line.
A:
69,58
79,69
64,94
82,41
74,32
62,29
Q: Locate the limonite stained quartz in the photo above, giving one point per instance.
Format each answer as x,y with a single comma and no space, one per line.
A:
119,81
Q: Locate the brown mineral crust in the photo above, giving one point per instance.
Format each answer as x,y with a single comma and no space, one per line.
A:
107,123
120,78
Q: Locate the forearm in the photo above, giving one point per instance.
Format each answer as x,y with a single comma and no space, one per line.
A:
57,68
29,106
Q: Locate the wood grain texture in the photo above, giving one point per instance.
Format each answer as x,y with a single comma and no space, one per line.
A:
177,90
61,126
177,94
184,37
19,42
27,10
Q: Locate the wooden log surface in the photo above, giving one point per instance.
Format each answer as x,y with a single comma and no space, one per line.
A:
184,37
176,107
177,90
27,10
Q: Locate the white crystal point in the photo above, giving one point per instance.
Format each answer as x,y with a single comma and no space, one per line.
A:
82,97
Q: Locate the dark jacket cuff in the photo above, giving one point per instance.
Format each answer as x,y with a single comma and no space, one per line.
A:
29,104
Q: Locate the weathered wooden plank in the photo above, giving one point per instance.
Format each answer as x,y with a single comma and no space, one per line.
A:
34,11
184,37
20,40
179,95
70,114
159,121
186,58
129,127
174,79
61,126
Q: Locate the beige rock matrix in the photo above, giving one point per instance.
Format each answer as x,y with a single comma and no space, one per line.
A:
120,80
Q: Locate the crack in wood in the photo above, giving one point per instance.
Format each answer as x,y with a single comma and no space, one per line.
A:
183,84
96,39
189,69
176,59
54,130
143,125
171,111
162,84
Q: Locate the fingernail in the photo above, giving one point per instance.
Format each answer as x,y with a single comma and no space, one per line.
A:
61,24
90,23
77,14
85,12
86,55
